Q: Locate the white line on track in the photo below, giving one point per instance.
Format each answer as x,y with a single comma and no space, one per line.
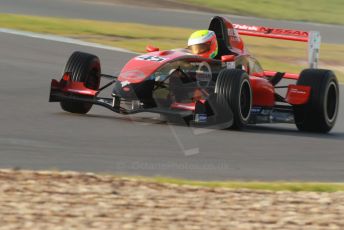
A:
63,40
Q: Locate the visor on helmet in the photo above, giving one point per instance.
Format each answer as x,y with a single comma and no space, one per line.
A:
199,48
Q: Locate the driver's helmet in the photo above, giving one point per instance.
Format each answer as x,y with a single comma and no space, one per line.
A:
203,43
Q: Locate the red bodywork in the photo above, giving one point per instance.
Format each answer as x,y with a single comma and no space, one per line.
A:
263,92
141,67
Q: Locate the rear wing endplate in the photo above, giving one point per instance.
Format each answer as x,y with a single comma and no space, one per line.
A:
313,38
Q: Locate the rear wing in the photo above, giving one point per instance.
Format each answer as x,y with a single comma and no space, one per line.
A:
313,38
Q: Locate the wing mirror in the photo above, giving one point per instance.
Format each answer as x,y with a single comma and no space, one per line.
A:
150,48
228,58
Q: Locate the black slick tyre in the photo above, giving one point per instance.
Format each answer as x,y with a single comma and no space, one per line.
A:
233,90
84,68
320,113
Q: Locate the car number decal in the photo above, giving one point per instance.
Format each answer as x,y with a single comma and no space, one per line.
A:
151,58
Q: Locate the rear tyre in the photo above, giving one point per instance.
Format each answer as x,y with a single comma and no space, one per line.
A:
233,91
320,113
84,68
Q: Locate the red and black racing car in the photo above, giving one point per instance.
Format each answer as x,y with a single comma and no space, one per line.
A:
228,91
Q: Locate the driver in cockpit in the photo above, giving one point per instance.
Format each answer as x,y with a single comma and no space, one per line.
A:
203,43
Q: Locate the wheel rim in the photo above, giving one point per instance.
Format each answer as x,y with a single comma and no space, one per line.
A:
331,102
245,100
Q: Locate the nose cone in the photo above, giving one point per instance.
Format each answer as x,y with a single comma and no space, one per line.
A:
134,91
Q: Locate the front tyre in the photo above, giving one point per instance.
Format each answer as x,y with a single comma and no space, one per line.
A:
84,68
320,113
233,89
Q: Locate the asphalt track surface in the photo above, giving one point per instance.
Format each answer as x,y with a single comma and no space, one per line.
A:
35,134
125,13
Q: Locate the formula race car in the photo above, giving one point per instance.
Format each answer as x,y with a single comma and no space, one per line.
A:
230,90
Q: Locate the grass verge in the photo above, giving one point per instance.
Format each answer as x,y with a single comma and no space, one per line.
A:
273,54
254,185
251,185
330,11
126,35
